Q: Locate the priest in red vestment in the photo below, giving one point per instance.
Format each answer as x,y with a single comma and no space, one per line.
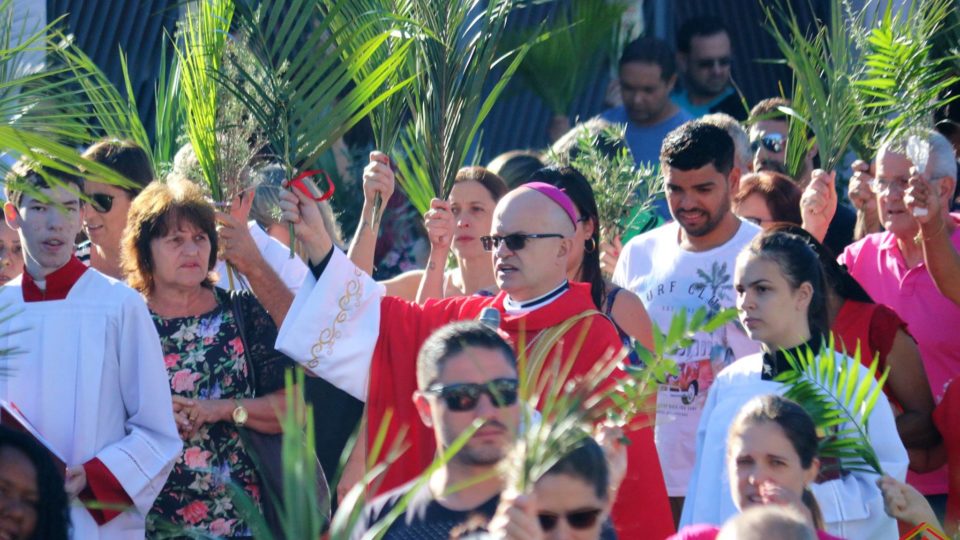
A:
342,328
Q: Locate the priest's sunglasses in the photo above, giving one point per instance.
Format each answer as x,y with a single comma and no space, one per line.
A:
101,202
514,242
461,397
578,519
774,142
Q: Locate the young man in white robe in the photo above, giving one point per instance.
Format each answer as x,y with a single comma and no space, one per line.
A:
89,375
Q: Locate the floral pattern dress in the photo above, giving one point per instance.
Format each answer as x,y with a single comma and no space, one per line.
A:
205,358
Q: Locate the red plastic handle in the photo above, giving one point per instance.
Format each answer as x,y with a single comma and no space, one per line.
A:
298,184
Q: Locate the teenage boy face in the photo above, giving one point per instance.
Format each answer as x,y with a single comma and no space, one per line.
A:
48,228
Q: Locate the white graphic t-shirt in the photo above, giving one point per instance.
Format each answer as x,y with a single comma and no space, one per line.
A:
668,279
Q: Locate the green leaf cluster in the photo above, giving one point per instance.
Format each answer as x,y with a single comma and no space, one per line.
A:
625,192
839,398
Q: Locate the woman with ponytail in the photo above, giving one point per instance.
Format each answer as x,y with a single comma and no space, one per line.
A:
772,459
782,304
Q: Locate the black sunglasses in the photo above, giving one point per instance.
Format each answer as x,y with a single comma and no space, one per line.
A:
774,142
515,242
101,202
723,61
580,519
465,396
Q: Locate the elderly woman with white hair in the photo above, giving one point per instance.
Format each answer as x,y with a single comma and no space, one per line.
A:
913,200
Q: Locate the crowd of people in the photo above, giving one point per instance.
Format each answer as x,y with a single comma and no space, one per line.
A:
148,361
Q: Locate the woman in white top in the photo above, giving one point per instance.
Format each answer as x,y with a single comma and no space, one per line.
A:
780,299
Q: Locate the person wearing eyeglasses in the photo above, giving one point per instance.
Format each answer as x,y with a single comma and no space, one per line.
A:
768,142
704,56
687,265
343,329
890,265
465,372
570,502
105,214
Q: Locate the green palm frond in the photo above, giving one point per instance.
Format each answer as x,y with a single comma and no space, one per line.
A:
625,192
903,83
412,173
458,57
204,32
825,68
558,68
298,102
115,111
839,399
360,21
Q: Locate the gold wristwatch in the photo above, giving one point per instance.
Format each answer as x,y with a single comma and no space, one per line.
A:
239,414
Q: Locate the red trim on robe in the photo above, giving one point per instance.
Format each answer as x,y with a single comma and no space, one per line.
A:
641,511
103,488
59,282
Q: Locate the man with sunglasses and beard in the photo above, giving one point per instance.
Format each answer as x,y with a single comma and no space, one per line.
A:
341,328
686,265
768,142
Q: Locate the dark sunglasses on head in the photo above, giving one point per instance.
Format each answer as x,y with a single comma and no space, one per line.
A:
465,396
101,202
723,61
515,242
774,142
579,519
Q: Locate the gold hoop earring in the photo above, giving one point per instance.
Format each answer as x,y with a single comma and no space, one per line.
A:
590,245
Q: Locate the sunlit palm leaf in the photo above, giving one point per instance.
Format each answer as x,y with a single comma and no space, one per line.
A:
457,58
840,400
360,21
115,113
170,117
825,67
304,105
204,38
903,84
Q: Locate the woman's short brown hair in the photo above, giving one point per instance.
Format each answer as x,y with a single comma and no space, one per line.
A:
490,181
160,208
780,193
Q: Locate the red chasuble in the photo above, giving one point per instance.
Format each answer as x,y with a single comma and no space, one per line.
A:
641,510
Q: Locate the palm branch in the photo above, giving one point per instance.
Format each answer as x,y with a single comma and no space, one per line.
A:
458,57
204,34
303,514
300,93
558,67
625,192
903,83
170,116
839,399
43,112
413,175
825,67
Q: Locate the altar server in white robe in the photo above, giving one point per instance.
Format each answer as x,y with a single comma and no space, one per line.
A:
89,375
781,304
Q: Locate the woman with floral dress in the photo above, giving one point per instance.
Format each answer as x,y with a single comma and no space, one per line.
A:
218,349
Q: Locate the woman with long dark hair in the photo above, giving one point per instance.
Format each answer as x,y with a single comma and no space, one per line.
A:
782,304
